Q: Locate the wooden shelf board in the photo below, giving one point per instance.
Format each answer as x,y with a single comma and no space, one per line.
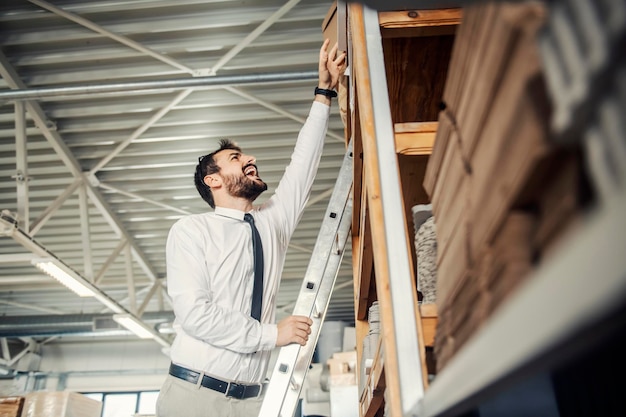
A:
415,138
428,314
419,22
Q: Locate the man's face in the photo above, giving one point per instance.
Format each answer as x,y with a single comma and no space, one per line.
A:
240,174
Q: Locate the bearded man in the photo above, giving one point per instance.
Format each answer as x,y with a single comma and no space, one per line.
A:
224,268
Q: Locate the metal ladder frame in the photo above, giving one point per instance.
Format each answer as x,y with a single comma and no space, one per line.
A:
292,364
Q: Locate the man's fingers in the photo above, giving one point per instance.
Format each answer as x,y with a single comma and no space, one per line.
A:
303,319
323,50
333,52
340,58
294,329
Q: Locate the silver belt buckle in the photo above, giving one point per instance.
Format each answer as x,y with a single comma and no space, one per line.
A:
261,389
235,390
199,381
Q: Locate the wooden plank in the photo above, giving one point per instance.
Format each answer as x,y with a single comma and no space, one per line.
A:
415,138
512,142
453,266
357,165
513,21
413,23
450,196
417,18
377,223
469,46
440,147
364,264
373,394
429,310
361,330
416,127
429,323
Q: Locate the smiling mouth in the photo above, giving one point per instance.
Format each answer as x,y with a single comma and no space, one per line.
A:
250,170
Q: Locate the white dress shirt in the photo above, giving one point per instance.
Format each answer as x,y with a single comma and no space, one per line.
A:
210,270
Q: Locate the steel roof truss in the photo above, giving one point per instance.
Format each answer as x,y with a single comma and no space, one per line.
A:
112,257
21,175
130,279
119,38
85,232
58,202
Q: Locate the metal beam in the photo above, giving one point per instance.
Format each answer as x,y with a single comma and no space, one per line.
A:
98,277
130,280
35,247
21,175
30,307
278,110
58,202
85,231
117,225
12,258
119,38
142,308
24,93
71,324
6,353
253,35
140,130
142,198
54,138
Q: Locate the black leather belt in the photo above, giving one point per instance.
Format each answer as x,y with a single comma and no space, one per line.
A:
229,389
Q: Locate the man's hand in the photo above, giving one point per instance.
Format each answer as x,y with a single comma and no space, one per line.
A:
294,329
331,66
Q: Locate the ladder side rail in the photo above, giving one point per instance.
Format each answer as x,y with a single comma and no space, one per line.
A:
322,265
305,355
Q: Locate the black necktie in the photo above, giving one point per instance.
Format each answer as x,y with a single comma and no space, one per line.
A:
257,248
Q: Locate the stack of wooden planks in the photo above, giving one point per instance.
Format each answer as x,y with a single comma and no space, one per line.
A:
501,193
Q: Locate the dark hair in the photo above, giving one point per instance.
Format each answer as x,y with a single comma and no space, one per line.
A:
207,166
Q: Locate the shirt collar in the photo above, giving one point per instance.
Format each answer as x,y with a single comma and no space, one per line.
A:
228,212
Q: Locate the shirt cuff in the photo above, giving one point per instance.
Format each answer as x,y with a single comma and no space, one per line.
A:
269,335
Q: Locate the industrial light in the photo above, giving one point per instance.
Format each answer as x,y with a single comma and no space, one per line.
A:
65,277
135,325
109,302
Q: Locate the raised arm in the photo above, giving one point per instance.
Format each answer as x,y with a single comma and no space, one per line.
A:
331,66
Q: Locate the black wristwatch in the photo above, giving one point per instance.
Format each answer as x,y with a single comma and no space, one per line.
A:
324,92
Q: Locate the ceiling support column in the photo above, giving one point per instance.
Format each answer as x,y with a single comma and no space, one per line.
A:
21,175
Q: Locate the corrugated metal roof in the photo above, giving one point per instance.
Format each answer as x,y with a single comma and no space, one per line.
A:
137,150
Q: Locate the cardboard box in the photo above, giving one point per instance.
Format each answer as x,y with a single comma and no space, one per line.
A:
342,363
11,406
334,26
60,404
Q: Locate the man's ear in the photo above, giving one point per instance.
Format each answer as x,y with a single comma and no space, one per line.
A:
213,181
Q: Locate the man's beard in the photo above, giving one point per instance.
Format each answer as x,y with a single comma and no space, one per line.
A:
244,187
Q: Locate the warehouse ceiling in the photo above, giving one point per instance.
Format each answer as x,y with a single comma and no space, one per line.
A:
105,107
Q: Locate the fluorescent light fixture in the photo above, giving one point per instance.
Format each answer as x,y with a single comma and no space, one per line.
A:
135,325
109,302
64,276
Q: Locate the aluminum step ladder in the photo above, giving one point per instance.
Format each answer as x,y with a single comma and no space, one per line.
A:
292,364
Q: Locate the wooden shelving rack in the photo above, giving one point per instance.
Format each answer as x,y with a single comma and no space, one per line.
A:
398,63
